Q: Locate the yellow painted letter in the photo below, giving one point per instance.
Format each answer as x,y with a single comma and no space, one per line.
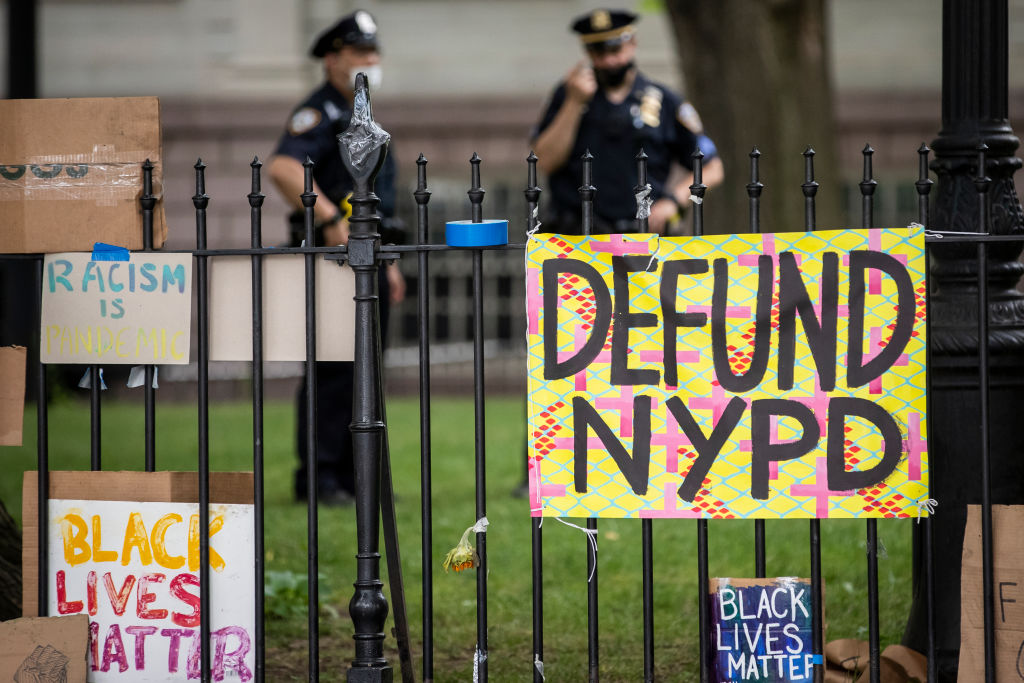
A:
135,536
74,531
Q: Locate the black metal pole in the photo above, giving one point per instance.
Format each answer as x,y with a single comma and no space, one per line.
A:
256,198
363,148
532,194
697,189
975,85
867,190
754,189
22,25
43,473
422,196
200,201
810,189
982,184
587,192
922,541
476,198
308,198
95,423
148,201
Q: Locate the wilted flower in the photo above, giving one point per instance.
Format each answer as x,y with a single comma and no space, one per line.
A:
464,555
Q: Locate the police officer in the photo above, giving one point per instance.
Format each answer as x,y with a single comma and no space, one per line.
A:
607,106
347,48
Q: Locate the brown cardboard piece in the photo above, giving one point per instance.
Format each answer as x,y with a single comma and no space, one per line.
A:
71,173
1007,600
44,649
848,660
160,487
12,394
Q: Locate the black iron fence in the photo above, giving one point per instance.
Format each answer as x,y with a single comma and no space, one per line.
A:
369,607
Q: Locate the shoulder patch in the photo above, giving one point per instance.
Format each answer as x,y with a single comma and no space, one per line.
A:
689,117
304,120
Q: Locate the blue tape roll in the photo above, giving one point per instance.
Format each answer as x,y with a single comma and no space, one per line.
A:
109,252
469,234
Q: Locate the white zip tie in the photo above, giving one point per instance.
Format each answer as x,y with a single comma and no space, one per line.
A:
928,504
137,376
86,381
591,538
536,227
643,202
538,665
481,526
480,656
696,200
654,253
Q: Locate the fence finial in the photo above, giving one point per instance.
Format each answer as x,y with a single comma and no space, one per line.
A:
364,144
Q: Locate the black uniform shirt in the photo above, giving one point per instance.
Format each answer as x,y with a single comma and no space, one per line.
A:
651,117
312,131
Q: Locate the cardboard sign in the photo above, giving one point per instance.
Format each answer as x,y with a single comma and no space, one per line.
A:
44,649
762,630
124,553
1007,599
730,376
132,311
71,173
284,309
12,394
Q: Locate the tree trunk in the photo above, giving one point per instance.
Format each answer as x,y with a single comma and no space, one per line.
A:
10,566
758,73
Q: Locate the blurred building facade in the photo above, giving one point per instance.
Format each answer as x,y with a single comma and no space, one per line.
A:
460,76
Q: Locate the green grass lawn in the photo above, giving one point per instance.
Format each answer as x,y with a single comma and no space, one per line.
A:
509,579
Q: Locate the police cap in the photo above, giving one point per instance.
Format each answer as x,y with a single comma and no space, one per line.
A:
605,27
357,28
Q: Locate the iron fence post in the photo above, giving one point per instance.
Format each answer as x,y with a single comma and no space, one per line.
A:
363,148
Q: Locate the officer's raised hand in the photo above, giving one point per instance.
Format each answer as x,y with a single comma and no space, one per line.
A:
580,84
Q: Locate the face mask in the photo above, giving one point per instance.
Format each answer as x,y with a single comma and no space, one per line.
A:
611,78
373,76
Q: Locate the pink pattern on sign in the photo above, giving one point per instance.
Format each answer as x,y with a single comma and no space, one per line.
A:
617,246
716,403
875,385
669,508
540,491
672,438
730,311
767,249
773,465
682,357
623,404
533,300
579,341
875,276
818,403
914,445
819,489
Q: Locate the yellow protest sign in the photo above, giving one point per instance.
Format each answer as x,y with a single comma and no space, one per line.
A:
732,376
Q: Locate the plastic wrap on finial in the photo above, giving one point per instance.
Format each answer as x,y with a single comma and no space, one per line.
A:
364,143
